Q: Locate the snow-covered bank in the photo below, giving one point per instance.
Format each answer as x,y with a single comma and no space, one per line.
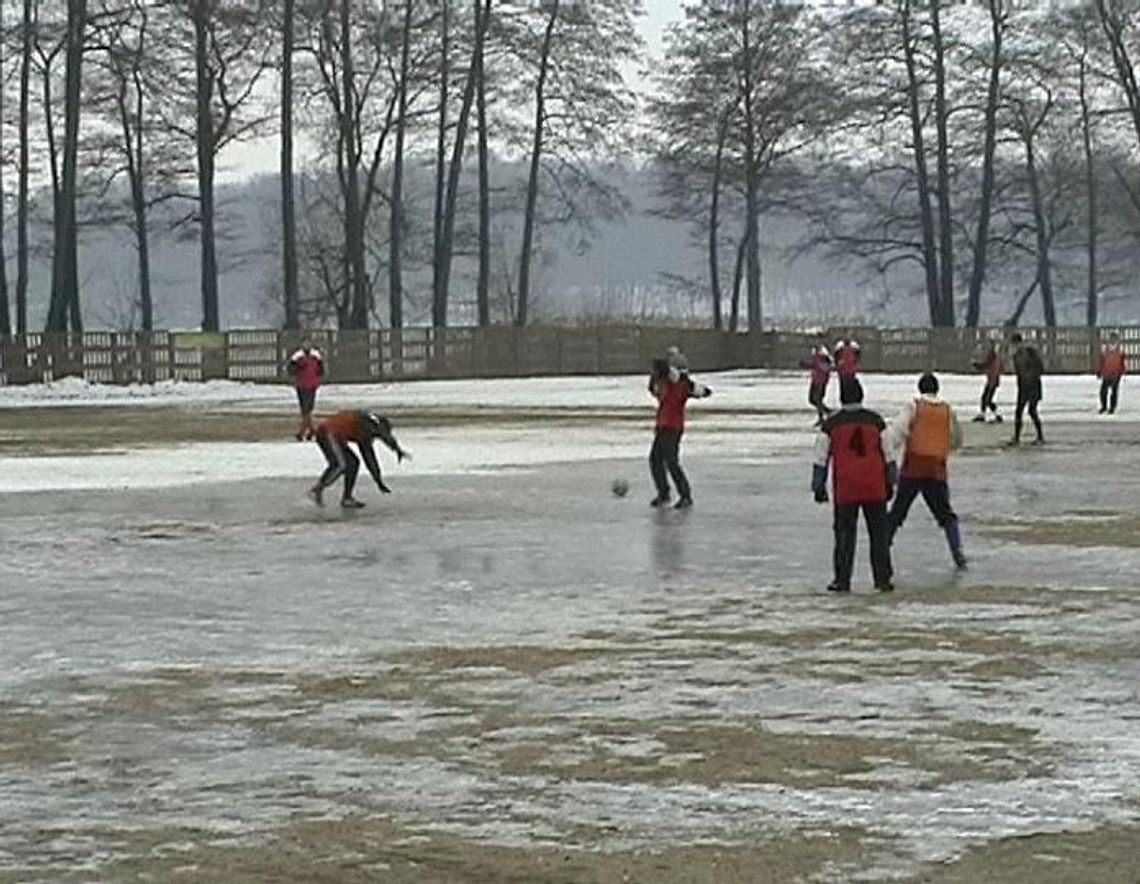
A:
1066,396
752,415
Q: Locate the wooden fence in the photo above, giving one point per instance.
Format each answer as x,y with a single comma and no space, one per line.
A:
499,351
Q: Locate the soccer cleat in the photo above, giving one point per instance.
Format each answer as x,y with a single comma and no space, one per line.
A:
997,418
836,587
1013,443
316,495
980,419
959,560
885,587
660,500
351,503
683,504
1103,411
1038,441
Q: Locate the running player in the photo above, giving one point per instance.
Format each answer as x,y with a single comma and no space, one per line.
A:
987,359
307,368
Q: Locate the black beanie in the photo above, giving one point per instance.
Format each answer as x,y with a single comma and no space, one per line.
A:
850,391
928,384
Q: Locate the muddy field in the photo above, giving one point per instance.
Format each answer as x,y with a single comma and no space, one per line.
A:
509,675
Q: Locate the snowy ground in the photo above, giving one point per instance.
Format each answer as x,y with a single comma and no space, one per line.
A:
501,672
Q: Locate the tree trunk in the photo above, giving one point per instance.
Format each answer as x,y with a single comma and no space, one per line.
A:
945,221
64,308
22,181
438,297
737,279
1041,232
751,175
447,239
350,138
133,144
396,216
982,234
204,149
714,223
926,217
535,160
5,316
288,201
1015,317
483,280
1113,28
1092,294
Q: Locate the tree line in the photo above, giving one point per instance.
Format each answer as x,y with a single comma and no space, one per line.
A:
961,151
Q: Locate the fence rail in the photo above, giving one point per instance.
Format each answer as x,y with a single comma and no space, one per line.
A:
500,351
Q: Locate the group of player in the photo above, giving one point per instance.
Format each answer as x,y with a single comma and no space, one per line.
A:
870,462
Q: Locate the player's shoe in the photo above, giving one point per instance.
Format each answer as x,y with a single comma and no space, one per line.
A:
885,587
836,587
660,500
980,419
997,418
1038,441
351,503
683,504
959,559
316,495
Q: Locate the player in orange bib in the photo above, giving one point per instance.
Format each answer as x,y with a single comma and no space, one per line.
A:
926,431
334,435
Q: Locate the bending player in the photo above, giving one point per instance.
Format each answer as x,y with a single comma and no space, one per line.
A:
334,435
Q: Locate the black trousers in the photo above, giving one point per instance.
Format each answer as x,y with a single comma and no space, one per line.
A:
306,399
846,529
665,455
988,396
341,461
815,399
935,492
1027,402
1109,393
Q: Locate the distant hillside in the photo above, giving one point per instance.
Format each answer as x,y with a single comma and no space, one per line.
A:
628,269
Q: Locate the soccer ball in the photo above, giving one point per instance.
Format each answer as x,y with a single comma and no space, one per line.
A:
620,487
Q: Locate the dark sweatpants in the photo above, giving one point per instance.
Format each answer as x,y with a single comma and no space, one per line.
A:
816,393
342,460
1109,393
1030,399
988,392
846,530
936,493
306,399
665,455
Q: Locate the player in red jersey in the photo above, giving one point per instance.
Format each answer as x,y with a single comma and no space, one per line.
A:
673,388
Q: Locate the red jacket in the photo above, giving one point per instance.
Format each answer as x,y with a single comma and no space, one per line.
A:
847,359
855,449
672,393
1111,367
820,366
307,369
